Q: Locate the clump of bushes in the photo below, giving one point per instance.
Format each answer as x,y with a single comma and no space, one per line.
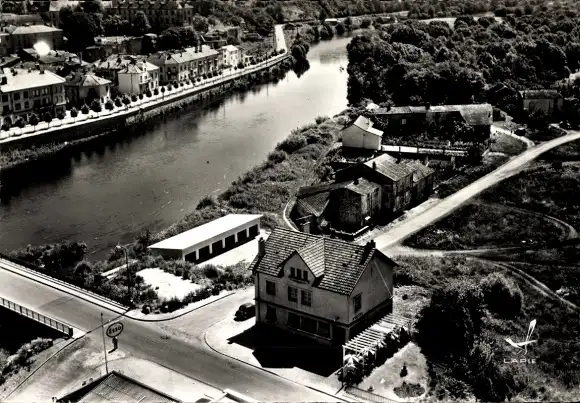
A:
502,295
22,357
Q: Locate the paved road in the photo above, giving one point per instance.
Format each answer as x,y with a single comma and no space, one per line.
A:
144,340
448,205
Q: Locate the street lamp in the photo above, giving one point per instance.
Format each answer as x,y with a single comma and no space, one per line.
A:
119,247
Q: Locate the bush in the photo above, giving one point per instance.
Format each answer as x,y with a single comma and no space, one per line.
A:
502,296
206,201
96,106
240,65
85,109
134,98
118,102
210,271
140,96
365,23
156,91
148,94
33,119
60,115
109,105
292,144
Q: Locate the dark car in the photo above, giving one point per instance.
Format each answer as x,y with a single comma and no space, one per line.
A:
246,311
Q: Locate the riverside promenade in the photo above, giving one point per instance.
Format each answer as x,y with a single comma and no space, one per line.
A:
28,132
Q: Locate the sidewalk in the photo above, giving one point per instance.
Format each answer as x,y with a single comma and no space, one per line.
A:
217,338
84,360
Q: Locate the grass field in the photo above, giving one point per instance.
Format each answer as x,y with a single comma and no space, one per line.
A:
480,225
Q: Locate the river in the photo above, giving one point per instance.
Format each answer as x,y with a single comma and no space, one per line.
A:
109,195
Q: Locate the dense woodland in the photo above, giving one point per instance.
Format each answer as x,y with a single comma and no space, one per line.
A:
416,62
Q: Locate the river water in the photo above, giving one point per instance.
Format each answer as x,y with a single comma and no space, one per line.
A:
151,181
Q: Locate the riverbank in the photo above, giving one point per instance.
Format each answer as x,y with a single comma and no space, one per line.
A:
45,142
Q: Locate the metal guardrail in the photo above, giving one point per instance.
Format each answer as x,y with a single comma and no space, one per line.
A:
52,323
30,268
367,396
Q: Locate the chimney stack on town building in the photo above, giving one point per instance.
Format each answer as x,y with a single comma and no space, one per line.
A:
261,247
369,247
374,166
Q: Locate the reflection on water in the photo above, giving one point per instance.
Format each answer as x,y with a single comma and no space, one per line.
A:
108,192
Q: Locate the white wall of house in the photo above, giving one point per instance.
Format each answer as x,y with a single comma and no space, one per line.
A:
356,137
129,83
375,286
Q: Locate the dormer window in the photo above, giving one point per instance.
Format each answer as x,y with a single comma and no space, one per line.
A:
304,275
298,274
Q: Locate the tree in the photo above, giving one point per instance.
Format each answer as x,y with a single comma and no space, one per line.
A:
96,106
81,28
47,117
83,274
177,38
20,122
114,25
200,24
60,115
8,122
502,295
163,91
109,105
33,120
140,24
134,98
156,91
450,325
118,102
148,94
92,6
323,15
85,109
74,113
126,100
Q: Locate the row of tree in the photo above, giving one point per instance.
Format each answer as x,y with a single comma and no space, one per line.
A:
417,63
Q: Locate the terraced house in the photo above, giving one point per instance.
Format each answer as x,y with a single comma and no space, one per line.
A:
326,289
185,64
160,13
27,91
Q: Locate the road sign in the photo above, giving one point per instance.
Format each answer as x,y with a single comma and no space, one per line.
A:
114,329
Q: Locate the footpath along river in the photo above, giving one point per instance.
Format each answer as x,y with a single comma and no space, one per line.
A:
151,181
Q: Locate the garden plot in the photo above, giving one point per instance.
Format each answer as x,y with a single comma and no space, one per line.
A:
167,285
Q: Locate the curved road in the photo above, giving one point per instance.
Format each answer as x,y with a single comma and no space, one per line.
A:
446,206
144,340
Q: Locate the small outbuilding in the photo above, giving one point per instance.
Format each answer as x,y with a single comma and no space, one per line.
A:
361,134
211,239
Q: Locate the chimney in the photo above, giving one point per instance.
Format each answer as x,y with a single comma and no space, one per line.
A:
368,249
399,158
374,166
261,247
356,181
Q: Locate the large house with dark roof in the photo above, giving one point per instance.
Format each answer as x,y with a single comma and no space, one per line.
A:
383,186
326,289
419,118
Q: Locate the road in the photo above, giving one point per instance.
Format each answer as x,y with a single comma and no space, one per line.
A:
448,205
146,340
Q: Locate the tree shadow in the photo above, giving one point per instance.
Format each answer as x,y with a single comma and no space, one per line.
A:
274,348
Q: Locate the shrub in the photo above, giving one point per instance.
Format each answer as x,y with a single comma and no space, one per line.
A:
365,23
134,98
163,90
156,91
321,119
5,127
60,115
126,99
20,122
210,271
118,102
240,65
292,144
109,105
33,119
96,106
277,156
501,295
148,94
8,121
140,96
206,201
85,109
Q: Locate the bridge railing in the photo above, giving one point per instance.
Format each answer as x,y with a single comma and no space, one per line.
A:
32,269
52,323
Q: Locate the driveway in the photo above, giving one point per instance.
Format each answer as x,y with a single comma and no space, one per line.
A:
409,227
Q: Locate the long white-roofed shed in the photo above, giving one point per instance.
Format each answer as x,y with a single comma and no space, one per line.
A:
211,239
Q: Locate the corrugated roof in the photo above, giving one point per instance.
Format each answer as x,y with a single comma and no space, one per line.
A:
344,262
473,114
205,231
116,387
388,167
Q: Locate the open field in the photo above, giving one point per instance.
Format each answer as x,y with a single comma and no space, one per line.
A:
508,145
481,225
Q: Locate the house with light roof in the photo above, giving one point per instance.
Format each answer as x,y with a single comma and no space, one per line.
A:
83,88
325,289
138,78
362,134
186,64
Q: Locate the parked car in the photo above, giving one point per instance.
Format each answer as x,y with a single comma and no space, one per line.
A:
246,311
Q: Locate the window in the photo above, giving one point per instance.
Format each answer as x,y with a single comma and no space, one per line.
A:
17,107
270,314
306,298
292,272
324,329
403,121
4,98
304,275
26,105
16,96
293,320
357,302
308,325
270,288
292,294
25,94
